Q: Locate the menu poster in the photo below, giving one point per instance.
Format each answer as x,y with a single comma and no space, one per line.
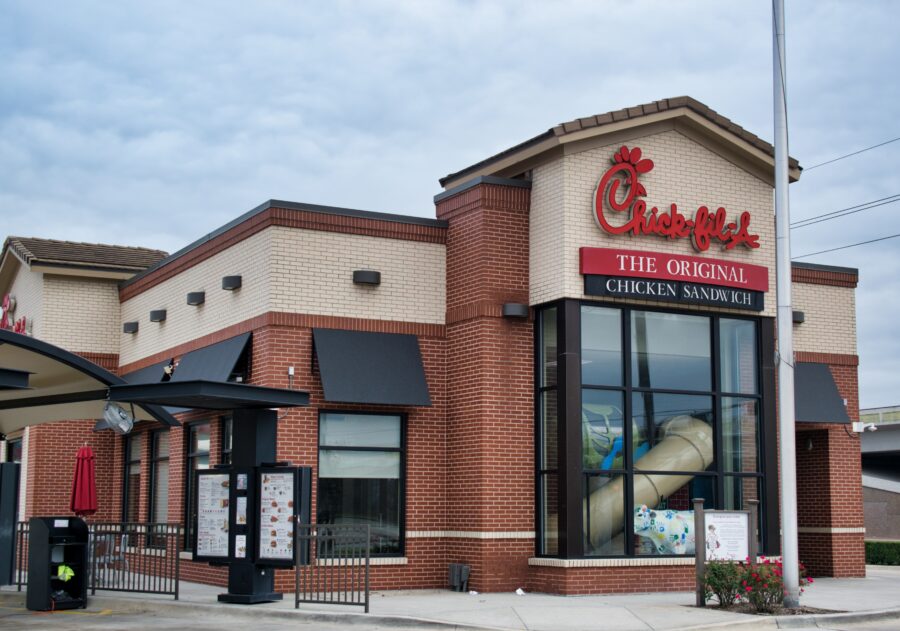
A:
241,481
240,546
212,515
240,511
276,515
727,535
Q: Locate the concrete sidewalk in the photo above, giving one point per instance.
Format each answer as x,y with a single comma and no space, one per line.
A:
871,598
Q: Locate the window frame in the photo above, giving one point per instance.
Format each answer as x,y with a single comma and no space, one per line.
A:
402,450
225,454
571,533
11,444
130,459
189,490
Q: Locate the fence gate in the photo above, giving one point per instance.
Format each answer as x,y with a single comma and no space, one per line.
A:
122,557
332,565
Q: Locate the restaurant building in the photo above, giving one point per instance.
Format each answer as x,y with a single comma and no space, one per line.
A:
535,383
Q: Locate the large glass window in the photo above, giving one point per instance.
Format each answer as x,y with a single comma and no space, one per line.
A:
361,460
159,482
14,450
131,494
198,440
669,411
547,448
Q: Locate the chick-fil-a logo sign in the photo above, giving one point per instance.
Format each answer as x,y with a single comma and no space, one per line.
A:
705,227
7,308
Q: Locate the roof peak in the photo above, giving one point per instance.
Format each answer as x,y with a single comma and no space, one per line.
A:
617,116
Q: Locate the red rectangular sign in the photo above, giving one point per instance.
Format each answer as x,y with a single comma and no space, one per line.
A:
693,269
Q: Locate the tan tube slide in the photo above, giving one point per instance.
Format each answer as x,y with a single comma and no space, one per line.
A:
685,444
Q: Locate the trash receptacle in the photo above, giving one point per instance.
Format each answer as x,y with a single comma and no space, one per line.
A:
57,563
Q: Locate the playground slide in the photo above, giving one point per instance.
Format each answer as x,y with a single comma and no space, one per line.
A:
686,444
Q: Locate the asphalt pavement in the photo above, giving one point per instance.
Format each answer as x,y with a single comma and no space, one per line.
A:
871,603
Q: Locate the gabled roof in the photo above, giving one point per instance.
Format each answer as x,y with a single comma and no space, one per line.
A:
614,118
94,256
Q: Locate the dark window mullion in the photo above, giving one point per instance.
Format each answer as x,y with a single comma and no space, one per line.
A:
718,431
628,459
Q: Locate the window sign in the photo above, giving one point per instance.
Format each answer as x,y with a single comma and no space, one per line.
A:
212,514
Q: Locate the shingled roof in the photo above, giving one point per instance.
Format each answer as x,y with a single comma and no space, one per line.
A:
82,255
616,116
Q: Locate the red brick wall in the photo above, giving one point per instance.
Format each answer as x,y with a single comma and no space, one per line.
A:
609,580
490,415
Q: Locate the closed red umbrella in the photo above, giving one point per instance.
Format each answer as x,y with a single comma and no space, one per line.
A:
84,487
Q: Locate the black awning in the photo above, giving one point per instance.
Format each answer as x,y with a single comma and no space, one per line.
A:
375,368
207,395
149,374
816,397
215,362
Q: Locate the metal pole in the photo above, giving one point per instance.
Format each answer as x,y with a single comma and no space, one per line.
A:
785,356
699,552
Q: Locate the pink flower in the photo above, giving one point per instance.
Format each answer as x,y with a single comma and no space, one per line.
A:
809,580
748,588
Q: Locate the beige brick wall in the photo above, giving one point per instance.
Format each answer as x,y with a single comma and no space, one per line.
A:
250,259
830,318
312,272
81,314
686,173
28,289
295,271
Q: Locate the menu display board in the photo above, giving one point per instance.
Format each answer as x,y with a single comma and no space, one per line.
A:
212,515
727,535
277,507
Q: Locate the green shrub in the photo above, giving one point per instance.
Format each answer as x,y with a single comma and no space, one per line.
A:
883,552
723,580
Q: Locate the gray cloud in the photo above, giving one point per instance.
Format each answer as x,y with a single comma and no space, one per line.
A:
154,123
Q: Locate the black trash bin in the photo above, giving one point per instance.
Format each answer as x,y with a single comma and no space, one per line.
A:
57,563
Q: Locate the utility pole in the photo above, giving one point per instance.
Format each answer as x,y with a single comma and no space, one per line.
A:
785,354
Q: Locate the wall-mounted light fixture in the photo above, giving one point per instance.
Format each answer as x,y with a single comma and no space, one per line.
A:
196,298
130,327
366,277
158,315
231,282
798,317
515,310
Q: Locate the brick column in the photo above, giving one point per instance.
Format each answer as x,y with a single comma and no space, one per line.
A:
829,480
490,366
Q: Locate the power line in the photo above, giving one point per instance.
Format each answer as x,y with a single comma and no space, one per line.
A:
843,212
844,247
881,144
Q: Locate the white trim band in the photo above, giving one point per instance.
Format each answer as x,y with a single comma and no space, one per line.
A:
468,534
825,530
647,561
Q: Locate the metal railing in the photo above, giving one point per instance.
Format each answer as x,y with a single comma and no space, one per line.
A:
333,565
122,557
21,554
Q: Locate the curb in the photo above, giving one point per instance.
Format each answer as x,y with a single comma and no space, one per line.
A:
124,604
800,621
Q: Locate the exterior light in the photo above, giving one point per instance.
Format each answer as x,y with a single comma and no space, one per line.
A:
158,315
231,282
366,277
196,298
798,317
130,327
515,310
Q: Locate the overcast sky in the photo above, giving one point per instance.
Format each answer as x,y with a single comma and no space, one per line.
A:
153,123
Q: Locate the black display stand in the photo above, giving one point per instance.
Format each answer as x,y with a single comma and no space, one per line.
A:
9,504
53,542
254,433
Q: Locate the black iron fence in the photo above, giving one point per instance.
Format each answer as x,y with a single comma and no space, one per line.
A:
122,557
333,565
